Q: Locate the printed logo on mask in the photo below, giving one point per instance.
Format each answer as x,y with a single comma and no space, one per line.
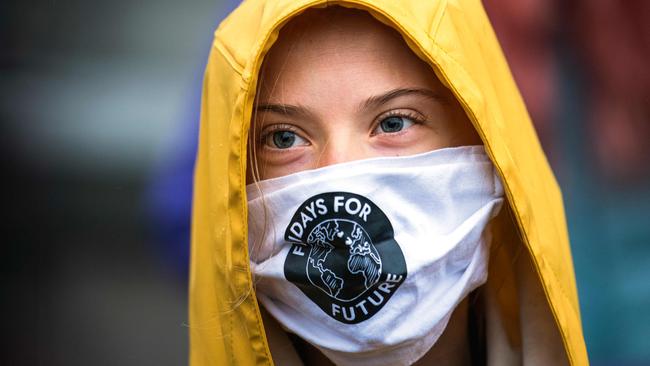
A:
344,255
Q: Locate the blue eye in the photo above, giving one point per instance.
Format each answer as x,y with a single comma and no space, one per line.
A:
284,139
393,124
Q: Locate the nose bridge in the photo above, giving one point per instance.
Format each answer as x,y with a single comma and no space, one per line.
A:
339,148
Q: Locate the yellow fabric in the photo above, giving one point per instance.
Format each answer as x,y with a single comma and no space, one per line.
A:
456,38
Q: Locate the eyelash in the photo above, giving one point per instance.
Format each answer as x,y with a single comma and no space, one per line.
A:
416,117
267,131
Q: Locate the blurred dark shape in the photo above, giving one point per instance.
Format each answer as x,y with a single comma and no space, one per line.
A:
89,94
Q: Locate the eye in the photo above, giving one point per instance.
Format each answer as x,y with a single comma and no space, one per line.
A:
283,139
393,124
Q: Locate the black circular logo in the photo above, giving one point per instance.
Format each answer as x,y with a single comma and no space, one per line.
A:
344,255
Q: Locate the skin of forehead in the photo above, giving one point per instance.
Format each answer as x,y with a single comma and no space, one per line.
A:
343,37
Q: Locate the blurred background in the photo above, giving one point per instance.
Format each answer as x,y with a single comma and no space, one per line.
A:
98,118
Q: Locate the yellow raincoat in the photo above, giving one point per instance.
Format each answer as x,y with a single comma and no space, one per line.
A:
456,39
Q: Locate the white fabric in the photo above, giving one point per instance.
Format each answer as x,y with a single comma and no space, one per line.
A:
438,204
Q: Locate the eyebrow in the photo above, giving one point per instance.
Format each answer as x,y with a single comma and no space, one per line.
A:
284,109
372,102
378,100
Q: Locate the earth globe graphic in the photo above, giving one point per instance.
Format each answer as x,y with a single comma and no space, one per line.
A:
343,262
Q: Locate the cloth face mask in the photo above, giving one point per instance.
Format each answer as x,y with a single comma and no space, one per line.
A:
367,260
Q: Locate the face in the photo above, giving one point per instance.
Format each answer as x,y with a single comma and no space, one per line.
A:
340,86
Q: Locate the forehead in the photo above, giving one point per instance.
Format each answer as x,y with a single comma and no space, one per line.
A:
340,49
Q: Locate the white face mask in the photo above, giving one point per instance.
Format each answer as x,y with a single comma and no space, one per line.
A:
367,260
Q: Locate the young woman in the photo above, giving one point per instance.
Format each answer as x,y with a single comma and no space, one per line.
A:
345,211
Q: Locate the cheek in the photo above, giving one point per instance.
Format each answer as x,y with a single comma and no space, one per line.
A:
417,139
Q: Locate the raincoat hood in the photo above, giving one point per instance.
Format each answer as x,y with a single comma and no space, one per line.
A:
456,39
